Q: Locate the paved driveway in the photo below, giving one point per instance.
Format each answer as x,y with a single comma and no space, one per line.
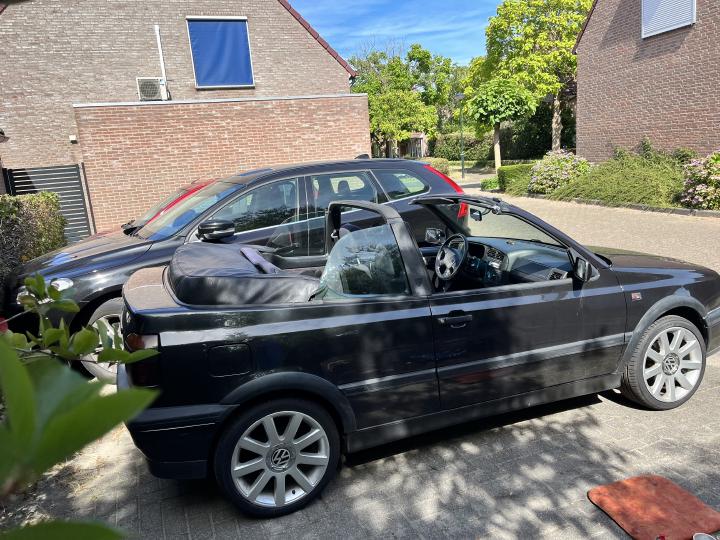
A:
523,475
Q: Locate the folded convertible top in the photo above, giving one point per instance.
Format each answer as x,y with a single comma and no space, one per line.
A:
205,274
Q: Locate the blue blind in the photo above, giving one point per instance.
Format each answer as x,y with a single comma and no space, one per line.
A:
221,52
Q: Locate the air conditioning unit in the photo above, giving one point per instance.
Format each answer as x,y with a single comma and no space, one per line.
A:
152,89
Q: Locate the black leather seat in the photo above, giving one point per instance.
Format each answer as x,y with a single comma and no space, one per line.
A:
216,274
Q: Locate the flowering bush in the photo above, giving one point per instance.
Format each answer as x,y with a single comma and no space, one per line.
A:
558,168
702,183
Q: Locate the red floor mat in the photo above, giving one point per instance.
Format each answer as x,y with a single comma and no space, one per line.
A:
648,507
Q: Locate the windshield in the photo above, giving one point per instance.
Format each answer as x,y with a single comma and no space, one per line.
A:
185,211
147,216
480,221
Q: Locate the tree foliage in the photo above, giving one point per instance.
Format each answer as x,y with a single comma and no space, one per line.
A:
499,100
395,114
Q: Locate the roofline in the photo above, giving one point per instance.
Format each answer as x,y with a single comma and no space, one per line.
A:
318,37
170,102
584,26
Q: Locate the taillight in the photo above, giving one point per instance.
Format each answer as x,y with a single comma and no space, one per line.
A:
463,211
145,372
135,342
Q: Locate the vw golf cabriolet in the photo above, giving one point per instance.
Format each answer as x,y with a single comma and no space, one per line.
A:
270,367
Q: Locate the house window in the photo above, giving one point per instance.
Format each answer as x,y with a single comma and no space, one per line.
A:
660,16
220,50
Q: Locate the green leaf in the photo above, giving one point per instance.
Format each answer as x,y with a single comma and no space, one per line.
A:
68,306
52,336
63,530
36,285
136,356
113,355
69,432
54,293
84,341
19,396
106,333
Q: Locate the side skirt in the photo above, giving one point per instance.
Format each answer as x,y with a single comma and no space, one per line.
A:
401,429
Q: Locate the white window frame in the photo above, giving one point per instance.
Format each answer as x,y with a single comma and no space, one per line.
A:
668,29
189,18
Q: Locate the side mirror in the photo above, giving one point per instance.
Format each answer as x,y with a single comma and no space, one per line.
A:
434,236
215,229
476,214
583,270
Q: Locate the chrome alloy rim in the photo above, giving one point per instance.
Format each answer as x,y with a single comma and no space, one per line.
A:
673,363
113,322
280,459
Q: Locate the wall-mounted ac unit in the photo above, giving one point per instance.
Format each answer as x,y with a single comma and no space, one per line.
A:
152,89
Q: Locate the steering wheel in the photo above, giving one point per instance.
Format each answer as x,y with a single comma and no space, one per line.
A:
451,257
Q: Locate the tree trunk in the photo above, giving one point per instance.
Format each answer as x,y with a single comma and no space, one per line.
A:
496,146
388,148
556,122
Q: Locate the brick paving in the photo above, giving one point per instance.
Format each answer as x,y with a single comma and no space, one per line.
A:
522,475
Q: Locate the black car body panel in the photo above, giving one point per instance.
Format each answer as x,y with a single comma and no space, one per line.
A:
392,366
100,265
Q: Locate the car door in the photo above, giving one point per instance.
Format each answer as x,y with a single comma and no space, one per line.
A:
272,215
498,342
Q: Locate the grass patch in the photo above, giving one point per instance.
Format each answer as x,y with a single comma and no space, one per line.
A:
514,179
629,179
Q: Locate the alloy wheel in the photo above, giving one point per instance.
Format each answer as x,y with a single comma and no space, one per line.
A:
280,459
673,364
113,321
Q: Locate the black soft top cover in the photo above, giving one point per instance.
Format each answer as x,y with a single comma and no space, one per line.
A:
205,274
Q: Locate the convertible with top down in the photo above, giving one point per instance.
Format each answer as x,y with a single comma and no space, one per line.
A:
270,367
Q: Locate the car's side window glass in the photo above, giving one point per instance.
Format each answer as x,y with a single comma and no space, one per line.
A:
400,183
365,262
268,205
326,188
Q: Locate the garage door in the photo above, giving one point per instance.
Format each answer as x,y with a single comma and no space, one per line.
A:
64,180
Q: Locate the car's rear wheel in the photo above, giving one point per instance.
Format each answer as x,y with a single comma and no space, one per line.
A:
667,365
277,457
109,312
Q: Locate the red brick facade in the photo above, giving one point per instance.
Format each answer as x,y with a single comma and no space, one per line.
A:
134,155
665,87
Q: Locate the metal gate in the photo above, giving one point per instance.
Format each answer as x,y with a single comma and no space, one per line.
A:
65,180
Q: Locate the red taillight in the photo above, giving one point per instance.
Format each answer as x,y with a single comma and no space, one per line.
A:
463,206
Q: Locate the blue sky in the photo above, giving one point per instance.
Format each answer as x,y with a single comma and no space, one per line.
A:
454,28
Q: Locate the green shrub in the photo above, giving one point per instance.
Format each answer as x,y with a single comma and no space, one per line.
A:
556,169
447,146
702,183
628,179
30,226
440,164
684,155
514,179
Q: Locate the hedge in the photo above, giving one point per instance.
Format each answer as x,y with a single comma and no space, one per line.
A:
30,226
633,179
440,164
447,146
514,179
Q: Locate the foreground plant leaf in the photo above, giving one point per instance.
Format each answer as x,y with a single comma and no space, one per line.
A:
63,530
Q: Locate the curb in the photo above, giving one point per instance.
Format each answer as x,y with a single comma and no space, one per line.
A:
641,207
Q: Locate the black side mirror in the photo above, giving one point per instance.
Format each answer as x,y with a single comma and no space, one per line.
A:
582,270
434,236
215,229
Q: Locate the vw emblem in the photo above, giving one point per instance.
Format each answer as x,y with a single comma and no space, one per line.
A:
280,459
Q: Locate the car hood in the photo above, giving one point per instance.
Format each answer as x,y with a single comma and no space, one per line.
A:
622,258
98,252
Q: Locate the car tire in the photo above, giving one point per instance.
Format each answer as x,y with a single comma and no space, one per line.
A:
110,311
269,474
664,373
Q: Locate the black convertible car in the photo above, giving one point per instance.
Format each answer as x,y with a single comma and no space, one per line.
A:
268,372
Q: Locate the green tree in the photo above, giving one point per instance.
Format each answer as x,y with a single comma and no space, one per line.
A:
497,101
395,114
531,41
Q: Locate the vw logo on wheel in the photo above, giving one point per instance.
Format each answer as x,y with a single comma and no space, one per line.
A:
280,459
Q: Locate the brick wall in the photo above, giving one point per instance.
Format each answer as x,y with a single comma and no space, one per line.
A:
134,155
666,87
54,53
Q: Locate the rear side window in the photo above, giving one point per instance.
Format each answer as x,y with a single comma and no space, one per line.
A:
400,183
354,186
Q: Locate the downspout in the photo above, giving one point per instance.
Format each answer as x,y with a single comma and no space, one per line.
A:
162,59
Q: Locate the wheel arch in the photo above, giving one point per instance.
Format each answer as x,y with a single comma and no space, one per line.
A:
83,316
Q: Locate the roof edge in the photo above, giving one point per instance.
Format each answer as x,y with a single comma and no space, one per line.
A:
318,37
584,26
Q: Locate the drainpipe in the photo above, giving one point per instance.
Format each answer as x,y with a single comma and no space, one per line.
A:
162,59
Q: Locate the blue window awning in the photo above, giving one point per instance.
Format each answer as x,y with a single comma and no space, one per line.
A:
220,52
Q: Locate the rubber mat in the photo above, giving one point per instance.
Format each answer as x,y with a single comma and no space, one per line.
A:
651,507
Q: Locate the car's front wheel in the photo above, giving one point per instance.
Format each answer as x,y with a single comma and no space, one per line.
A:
277,457
667,365
109,312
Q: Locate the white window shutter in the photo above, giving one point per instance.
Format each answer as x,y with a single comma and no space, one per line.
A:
660,16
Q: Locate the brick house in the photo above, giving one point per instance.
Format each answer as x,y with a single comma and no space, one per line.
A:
233,85
649,68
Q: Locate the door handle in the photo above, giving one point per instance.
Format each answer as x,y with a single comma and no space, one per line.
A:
456,321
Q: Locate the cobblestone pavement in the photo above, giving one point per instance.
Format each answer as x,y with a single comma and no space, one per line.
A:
523,475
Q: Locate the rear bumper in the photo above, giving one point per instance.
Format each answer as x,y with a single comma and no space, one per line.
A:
176,441
713,324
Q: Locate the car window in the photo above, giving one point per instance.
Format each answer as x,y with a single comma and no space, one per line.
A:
268,205
400,183
364,262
